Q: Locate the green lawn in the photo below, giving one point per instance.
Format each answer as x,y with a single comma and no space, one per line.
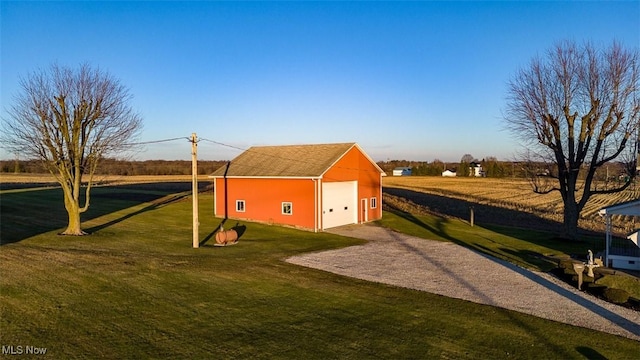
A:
524,247
135,288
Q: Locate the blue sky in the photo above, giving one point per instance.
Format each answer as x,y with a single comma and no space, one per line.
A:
405,80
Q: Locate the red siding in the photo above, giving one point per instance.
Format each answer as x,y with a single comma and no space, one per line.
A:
263,200
354,165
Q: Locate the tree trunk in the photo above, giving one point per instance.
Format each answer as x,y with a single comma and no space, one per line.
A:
73,211
567,182
571,214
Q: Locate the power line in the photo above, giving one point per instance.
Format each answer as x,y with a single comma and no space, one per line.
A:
240,149
223,144
158,141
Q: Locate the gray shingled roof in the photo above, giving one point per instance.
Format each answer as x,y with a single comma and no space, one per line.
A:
285,161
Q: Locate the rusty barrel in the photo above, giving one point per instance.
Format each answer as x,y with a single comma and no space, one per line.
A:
226,237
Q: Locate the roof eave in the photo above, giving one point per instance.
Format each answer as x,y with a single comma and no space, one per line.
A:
264,177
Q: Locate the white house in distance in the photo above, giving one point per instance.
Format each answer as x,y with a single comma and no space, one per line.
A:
402,171
623,253
475,169
449,173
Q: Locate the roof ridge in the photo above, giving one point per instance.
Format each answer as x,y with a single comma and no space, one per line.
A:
302,160
302,145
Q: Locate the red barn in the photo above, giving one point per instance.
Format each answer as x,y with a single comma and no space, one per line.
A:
313,187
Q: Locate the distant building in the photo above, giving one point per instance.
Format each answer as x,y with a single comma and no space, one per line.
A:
449,173
475,169
402,171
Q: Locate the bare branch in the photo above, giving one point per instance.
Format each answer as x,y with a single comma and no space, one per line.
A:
70,119
578,107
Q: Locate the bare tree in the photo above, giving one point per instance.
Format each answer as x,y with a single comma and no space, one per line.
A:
467,158
575,111
70,119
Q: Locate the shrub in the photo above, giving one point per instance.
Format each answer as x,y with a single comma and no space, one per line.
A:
629,283
617,296
596,289
566,264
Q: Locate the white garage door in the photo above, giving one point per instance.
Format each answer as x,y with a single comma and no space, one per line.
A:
339,203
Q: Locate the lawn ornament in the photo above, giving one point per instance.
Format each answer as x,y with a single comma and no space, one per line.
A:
591,264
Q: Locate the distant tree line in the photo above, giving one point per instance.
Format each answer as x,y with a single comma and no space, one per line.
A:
491,166
494,168
121,167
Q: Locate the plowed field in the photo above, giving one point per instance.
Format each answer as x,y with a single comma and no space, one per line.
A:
514,195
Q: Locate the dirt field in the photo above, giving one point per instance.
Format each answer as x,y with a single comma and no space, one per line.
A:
10,181
47,178
499,201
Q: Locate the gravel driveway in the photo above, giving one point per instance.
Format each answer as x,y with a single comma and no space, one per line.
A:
454,271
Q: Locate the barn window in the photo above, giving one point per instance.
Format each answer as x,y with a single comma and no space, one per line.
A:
287,208
240,205
374,202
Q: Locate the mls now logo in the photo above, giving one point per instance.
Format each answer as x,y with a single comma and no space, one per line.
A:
12,350
20,350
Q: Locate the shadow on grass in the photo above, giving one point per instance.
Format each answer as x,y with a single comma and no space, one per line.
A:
153,204
590,353
525,257
31,212
483,213
239,229
500,220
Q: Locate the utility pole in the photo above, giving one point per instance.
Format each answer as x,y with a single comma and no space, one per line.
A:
638,151
194,180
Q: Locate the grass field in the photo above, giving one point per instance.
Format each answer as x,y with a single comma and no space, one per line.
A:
516,195
135,288
22,178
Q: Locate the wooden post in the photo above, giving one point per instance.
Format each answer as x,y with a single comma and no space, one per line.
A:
471,215
607,239
194,188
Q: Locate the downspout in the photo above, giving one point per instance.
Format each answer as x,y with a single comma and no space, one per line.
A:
380,203
226,202
315,205
319,206
215,192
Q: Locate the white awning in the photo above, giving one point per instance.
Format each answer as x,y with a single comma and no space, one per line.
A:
628,208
